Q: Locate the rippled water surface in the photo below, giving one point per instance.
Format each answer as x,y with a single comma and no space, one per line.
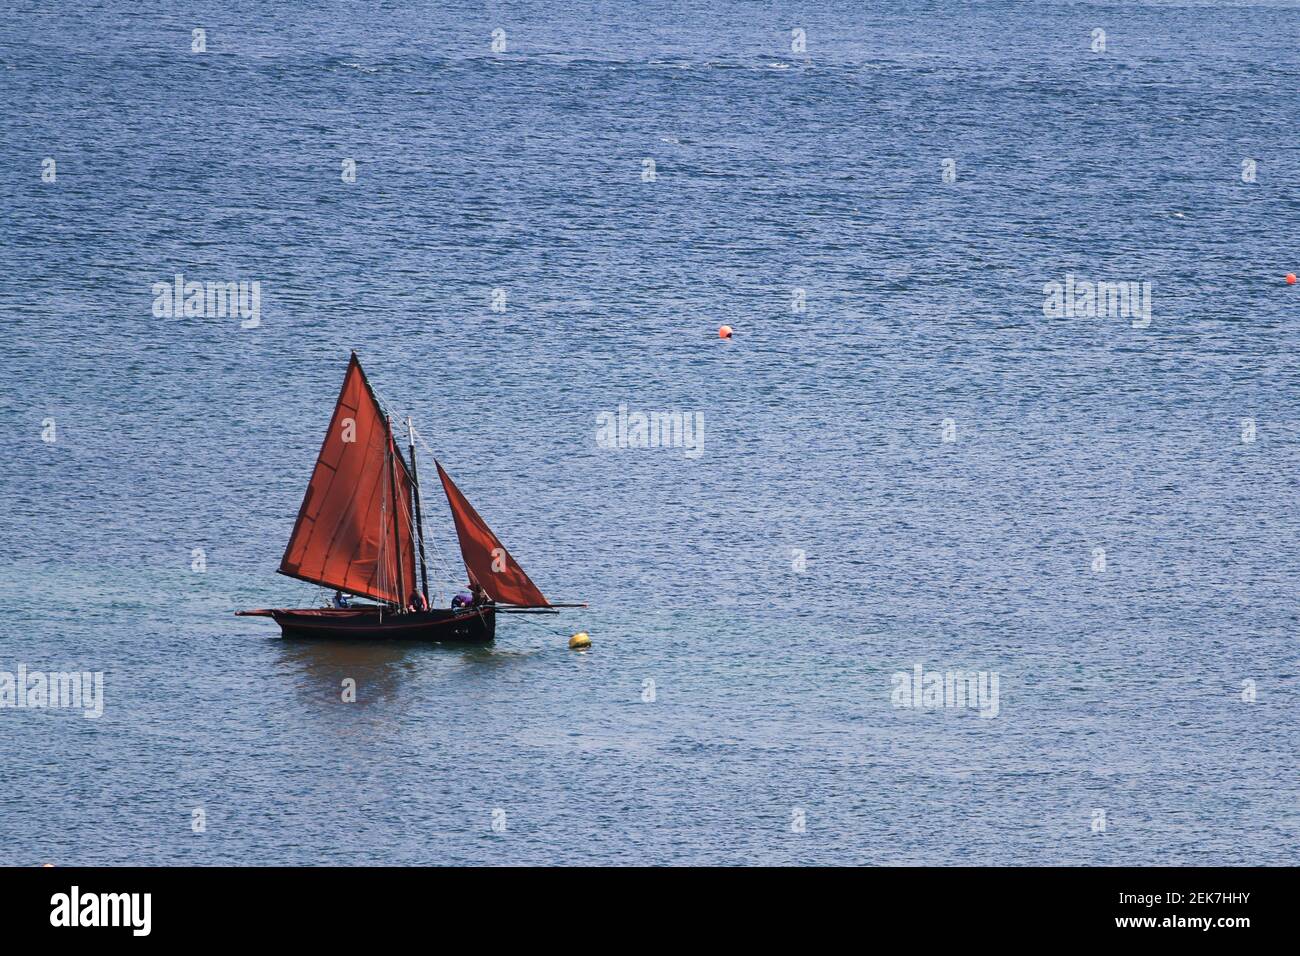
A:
1120,689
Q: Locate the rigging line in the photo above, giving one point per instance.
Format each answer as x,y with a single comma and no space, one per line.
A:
404,510
525,619
428,541
381,564
448,578
382,559
391,410
387,407
392,520
437,549
380,586
451,578
384,404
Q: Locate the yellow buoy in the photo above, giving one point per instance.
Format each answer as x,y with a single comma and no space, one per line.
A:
579,641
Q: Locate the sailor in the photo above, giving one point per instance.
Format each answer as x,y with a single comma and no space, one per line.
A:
462,600
480,597
339,601
417,602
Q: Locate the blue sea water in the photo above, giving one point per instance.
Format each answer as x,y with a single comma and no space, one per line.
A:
749,604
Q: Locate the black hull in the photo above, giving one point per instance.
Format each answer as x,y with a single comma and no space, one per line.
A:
470,627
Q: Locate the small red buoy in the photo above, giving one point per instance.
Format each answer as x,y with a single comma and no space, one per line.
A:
1290,278
725,331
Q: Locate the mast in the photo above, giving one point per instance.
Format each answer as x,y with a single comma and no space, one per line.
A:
419,509
397,530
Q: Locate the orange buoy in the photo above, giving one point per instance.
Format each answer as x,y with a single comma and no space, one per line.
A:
725,331
1290,278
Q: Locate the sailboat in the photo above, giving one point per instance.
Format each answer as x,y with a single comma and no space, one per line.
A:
360,530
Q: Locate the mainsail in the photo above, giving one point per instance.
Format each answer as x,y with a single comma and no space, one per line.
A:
351,534
486,560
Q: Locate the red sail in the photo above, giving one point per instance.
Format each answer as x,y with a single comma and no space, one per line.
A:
485,557
346,536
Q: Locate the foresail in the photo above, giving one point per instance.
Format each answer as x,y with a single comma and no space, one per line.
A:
346,535
486,559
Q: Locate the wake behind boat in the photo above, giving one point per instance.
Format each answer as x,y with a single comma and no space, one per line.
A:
360,530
